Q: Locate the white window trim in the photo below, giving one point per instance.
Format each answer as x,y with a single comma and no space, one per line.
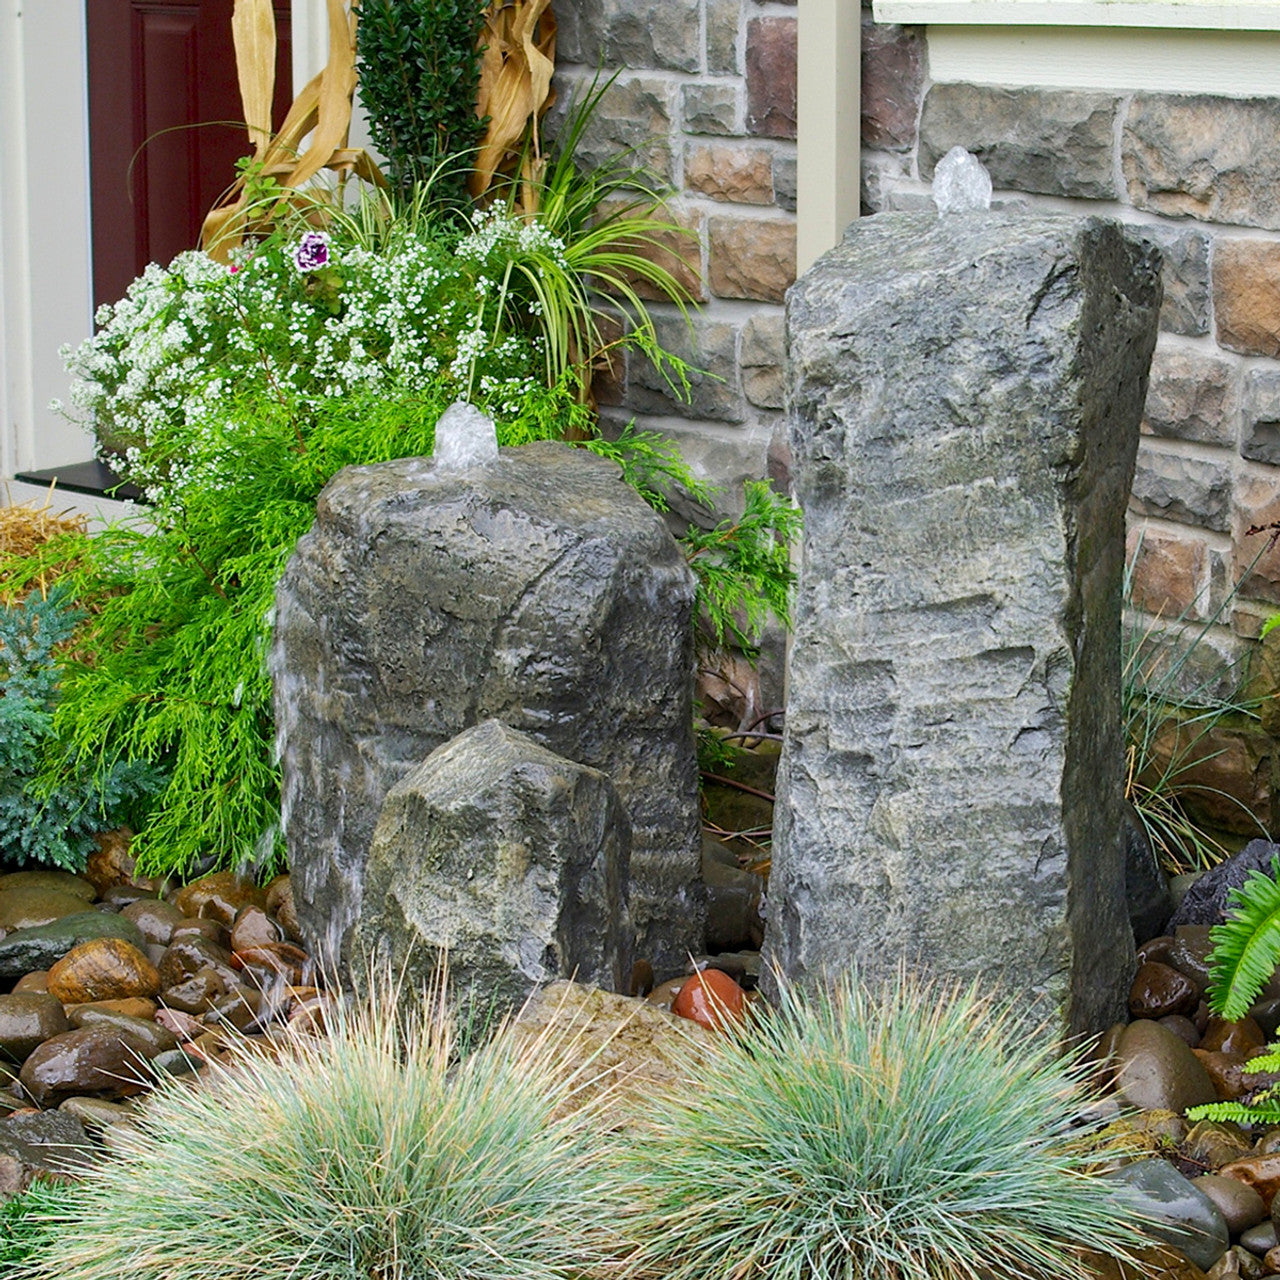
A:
1238,15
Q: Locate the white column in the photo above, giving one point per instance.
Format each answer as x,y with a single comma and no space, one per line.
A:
828,123
46,292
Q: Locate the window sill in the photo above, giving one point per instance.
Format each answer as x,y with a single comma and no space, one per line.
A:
95,479
1242,15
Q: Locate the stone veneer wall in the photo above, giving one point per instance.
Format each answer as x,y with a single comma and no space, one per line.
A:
706,96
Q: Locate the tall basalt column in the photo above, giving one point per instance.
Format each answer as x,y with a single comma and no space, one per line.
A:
965,394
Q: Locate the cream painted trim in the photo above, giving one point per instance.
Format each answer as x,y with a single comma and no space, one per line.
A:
45,279
1225,63
828,124
309,31
1236,15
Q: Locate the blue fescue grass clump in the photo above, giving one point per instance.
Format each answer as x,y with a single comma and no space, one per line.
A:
373,1151
903,1133
52,824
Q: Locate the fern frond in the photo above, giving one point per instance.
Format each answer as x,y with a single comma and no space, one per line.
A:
1269,1061
1261,1112
1246,949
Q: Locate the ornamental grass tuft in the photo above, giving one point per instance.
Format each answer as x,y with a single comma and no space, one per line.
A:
372,1153
912,1132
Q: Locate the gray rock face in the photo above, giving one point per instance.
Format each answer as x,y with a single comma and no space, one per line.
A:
965,397
1206,902
508,858
1171,1208
538,590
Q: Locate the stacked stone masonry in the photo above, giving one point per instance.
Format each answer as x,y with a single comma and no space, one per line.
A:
705,96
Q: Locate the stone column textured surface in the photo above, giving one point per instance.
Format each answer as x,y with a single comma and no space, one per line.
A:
506,858
538,590
965,397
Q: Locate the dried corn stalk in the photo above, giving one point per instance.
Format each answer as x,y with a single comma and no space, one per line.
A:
323,106
515,92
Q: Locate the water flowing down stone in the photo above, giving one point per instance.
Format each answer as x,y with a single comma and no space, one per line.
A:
538,590
961,183
506,858
965,398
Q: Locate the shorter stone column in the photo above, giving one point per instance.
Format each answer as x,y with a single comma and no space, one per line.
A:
965,393
537,589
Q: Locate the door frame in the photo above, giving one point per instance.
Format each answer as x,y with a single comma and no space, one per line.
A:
46,290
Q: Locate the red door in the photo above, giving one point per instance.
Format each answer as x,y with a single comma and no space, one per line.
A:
164,107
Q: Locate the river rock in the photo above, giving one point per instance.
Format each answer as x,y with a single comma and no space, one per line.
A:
103,969
155,919
539,590
98,1059
54,881
1240,1205
1237,1262
281,907
1206,901
97,1114
1261,1172
1227,1072
27,950
508,858
1260,1239
31,907
965,397
194,994
1212,1143
156,1037
189,954
110,862
253,927
80,1015
26,1020
1159,990
1243,1037
1182,1027
209,930
1155,1069
119,896
1189,954
46,1142
219,896
733,900
275,960
1173,1210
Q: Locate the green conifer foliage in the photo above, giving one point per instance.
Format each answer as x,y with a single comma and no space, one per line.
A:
49,823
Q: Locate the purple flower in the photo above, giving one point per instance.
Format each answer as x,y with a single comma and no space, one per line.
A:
312,252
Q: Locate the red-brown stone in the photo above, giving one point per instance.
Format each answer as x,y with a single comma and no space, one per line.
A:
771,77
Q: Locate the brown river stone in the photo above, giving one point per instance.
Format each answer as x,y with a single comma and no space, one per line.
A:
103,969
